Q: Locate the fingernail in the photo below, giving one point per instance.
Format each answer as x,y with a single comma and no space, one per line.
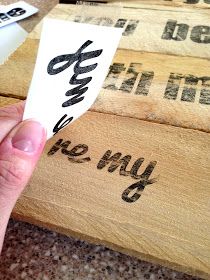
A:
28,137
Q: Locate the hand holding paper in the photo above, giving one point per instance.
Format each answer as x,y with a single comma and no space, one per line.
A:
72,63
21,144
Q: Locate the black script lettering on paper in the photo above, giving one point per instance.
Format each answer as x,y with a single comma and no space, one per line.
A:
61,123
16,12
61,63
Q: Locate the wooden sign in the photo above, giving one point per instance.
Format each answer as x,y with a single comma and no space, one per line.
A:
149,86
138,187
132,173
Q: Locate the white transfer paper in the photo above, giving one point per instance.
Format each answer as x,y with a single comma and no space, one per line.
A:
72,63
14,12
11,37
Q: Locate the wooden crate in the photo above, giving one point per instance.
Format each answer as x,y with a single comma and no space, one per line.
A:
141,182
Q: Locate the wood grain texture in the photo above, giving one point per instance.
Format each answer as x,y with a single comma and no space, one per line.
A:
146,27
7,101
154,87
165,216
158,88
201,4
168,224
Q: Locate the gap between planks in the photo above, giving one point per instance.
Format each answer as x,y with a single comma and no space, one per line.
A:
19,98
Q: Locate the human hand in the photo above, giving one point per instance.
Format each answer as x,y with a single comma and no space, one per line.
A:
21,144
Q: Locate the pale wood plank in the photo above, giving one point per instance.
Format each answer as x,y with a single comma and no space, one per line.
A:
152,97
125,99
201,4
7,101
146,27
168,224
156,106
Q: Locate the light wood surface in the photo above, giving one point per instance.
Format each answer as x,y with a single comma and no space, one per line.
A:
168,224
7,101
202,4
165,89
146,112
145,27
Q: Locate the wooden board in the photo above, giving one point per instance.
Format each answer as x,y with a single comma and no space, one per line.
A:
161,30
7,101
151,200
169,223
202,4
150,86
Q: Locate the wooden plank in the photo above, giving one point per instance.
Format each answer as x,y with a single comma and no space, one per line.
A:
155,87
168,220
158,88
7,101
173,31
168,224
201,4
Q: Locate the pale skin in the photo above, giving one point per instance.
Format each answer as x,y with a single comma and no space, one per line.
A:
21,144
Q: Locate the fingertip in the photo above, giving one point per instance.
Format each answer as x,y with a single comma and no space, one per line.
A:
29,137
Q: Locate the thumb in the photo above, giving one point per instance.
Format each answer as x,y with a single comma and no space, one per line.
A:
19,153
